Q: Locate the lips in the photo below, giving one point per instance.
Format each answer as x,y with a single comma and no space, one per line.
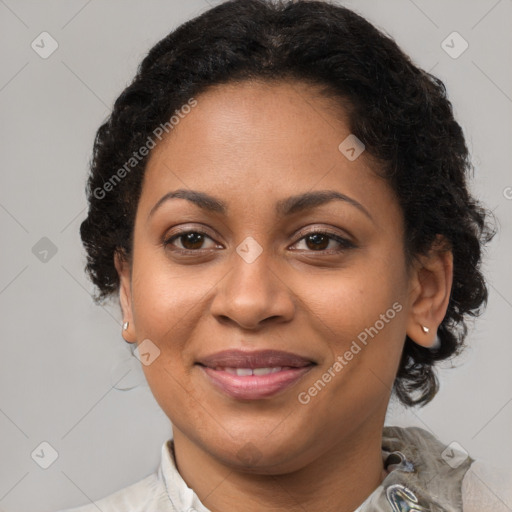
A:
253,375
252,360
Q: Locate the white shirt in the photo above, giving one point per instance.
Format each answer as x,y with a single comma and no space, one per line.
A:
433,482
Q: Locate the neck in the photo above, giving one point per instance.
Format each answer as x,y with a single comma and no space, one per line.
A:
338,480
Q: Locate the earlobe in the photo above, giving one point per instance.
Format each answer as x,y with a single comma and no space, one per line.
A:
430,294
123,271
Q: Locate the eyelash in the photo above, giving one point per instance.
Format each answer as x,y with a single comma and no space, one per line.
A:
344,243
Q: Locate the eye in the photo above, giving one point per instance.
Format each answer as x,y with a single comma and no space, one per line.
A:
191,241
318,241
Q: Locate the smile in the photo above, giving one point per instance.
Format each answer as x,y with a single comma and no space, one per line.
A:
253,375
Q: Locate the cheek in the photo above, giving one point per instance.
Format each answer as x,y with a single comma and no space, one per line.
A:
360,320
167,311
165,298
347,303
360,315
169,305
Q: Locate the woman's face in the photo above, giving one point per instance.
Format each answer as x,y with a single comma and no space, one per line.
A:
252,276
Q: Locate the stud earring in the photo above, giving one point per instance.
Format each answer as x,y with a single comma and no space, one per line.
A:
425,329
125,326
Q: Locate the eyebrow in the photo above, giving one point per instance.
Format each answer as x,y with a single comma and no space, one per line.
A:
284,207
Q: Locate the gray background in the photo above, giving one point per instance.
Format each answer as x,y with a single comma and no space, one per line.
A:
62,357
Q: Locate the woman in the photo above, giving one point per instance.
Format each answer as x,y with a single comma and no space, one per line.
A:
280,200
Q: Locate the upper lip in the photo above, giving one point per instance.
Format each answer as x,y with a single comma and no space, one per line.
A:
254,359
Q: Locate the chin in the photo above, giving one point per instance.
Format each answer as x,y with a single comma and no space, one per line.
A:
253,451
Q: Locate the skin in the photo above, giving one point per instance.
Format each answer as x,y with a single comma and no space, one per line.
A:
251,145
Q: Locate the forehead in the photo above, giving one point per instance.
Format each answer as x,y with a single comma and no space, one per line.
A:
254,142
236,121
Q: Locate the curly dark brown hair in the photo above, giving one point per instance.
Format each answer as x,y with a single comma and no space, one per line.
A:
400,112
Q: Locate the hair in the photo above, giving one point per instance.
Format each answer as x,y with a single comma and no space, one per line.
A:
400,112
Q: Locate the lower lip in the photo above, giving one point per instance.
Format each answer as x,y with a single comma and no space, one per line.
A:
254,387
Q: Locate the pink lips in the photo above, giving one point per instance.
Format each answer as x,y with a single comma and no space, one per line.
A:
254,375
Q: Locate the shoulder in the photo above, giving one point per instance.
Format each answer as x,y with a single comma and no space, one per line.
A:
146,495
483,486
487,487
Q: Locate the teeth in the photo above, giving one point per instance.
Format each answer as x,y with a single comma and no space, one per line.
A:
266,371
245,372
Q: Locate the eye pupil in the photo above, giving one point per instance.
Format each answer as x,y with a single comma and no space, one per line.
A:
317,240
196,239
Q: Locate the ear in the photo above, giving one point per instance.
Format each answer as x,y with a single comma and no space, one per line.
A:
125,295
430,290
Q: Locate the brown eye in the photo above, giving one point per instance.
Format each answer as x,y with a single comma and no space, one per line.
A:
189,240
192,240
318,241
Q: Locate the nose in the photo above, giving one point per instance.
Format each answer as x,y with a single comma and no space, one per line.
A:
253,294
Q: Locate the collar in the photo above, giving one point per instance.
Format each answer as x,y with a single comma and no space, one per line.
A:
423,473
182,497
